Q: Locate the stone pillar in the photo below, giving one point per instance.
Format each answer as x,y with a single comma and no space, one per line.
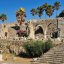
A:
31,35
45,34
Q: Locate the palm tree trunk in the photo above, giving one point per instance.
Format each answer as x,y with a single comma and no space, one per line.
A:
49,17
45,36
57,18
57,23
45,15
56,13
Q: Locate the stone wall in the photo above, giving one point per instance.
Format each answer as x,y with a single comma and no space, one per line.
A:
48,26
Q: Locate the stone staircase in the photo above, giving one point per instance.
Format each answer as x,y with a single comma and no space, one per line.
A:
53,56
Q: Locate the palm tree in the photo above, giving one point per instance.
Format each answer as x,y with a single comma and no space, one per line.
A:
20,14
49,10
33,12
3,17
57,6
45,7
40,10
0,17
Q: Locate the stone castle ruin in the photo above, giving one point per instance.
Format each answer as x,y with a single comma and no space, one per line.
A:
34,29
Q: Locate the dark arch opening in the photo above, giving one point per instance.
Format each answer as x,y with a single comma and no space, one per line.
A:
6,34
39,30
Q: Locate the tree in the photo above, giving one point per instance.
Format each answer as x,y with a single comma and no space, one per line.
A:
61,14
3,17
49,10
57,6
33,12
45,7
21,14
40,10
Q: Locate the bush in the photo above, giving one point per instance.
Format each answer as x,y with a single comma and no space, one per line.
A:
34,48
37,48
47,45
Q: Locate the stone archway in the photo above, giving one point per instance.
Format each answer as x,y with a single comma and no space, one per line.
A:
39,32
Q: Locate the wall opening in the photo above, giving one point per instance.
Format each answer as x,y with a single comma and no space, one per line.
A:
55,34
39,30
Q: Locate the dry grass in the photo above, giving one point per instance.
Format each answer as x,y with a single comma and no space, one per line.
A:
10,57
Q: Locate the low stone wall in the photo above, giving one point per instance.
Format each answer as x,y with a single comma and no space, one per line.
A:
11,46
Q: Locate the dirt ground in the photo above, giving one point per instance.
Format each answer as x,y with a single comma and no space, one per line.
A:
16,59
23,60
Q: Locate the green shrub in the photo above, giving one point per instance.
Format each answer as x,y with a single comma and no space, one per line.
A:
37,48
47,45
34,48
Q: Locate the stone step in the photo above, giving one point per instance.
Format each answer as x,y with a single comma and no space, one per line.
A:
54,56
58,58
48,55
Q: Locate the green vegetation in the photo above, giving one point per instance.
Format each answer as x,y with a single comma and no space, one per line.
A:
3,17
21,12
33,48
47,45
57,6
40,10
49,9
33,12
16,27
37,48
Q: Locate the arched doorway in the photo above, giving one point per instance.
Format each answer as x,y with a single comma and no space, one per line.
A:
39,33
6,34
39,30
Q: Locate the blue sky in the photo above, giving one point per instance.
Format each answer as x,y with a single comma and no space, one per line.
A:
9,7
